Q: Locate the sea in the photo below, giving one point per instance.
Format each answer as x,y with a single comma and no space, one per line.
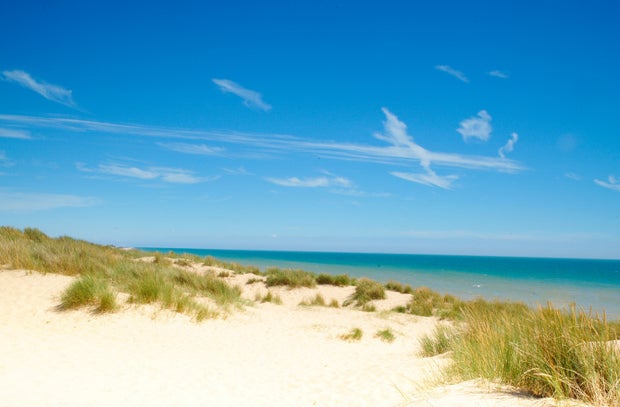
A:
592,285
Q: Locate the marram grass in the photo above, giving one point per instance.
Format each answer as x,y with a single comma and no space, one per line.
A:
547,352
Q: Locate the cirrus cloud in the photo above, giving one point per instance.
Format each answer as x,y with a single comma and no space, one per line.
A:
250,98
51,92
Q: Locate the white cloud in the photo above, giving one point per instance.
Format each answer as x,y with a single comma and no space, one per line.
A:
400,148
250,97
476,127
451,71
170,175
50,92
499,74
28,202
430,178
509,146
198,149
328,180
612,183
16,134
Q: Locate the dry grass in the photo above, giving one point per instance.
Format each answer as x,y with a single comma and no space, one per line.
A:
354,335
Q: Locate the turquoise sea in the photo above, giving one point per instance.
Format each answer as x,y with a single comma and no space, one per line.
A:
588,283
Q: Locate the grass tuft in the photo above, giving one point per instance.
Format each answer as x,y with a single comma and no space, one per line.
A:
269,297
398,287
341,280
88,291
386,335
353,335
317,300
289,278
366,290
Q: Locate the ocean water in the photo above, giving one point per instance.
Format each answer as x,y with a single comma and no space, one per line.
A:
590,284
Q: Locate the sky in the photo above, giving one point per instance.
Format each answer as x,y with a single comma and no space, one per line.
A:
431,127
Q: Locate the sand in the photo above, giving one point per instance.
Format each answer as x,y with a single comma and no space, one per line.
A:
265,355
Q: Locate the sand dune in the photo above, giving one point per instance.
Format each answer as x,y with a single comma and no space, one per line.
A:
267,354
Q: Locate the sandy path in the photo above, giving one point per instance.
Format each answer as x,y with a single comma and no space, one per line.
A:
267,355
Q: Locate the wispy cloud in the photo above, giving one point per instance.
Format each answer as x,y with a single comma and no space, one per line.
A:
169,175
11,201
499,74
187,148
573,176
509,146
476,127
430,178
612,183
328,180
451,71
16,134
400,148
250,98
396,134
51,92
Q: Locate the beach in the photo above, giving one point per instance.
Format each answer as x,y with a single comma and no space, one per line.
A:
263,354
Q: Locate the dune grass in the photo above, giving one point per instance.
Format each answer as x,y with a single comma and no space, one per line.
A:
269,297
355,334
398,287
386,335
317,300
103,271
366,290
289,278
547,352
86,291
340,280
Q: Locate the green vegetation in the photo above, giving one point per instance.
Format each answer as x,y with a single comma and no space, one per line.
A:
426,302
334,303
269,297
398,287
317,300
366,290
354,334
105,270
289,278
547,352
386,335
438,342
88,291
341,280
254,280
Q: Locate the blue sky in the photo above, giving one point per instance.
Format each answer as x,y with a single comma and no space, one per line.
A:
415,127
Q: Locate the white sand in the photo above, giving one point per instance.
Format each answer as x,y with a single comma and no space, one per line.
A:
264,356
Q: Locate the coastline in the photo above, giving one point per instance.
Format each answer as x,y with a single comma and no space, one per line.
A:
265,355
593,284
